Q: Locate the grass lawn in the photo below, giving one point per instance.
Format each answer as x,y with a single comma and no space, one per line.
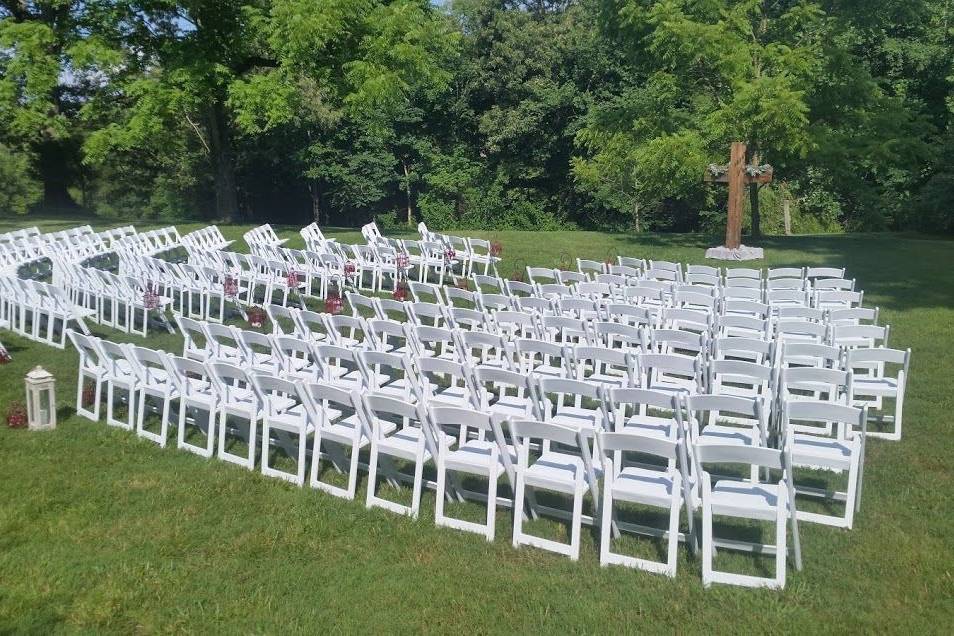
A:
102,531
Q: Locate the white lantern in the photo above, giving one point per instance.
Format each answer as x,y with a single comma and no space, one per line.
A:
40,399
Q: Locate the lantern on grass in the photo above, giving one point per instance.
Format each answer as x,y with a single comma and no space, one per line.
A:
462,283
611,258
17,415
5,357
449,255
564,263
40,399
496,248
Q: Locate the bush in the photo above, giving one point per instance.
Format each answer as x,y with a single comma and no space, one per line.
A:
19,190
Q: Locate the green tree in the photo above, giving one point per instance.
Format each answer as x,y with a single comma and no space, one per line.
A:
710,72
346,65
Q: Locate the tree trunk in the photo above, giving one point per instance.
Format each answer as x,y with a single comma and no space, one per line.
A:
226,196
315,201
407,188
636,215
55,173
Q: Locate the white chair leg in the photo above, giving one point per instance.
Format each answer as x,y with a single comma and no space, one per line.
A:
706,546
781,550
606,521
518,511
673,535
372,476
491,505
441,489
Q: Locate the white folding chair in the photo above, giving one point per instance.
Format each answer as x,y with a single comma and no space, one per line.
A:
388,374
485,350
642,412
236,397
411,439
92,367
487,455
120,374
445,383
601,365
505,394
154,379
873,383
285,415
194,382
751,500
340,425
842,452
563,466
664,487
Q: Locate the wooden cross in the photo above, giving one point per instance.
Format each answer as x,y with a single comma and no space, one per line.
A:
737,175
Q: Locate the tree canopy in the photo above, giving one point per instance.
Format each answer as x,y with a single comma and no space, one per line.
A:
480,113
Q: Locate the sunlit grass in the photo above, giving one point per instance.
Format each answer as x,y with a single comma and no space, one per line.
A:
102,531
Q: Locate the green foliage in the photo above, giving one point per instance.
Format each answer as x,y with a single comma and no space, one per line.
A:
481,113
19,189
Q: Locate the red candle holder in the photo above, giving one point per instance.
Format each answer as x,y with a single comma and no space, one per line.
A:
256,317
230,286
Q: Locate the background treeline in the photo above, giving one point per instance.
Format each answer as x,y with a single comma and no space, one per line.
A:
479,113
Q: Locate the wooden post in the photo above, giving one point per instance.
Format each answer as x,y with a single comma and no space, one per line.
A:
733,228
786,212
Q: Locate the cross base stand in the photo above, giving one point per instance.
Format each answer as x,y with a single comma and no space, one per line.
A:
740,253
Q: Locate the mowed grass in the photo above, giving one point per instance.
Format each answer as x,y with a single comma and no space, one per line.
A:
101,531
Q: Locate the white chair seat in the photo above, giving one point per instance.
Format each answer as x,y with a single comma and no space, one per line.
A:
404,443
745,499
292,419
556,471
546,371
474,456
650,425
612,380
719,434
581,418
342,431
399,388
821,452
452,396
512,406
644,486
876,386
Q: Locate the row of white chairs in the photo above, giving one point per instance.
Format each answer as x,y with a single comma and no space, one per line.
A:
149,243
618,421
516,342
39,311
128,302
262,235
614,288
582,320
207,238
24,247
